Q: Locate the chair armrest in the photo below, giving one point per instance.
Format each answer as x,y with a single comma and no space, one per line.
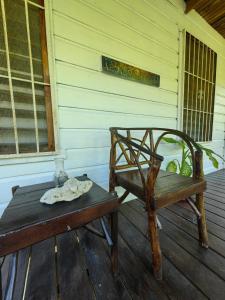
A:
195,149
134,148
139,147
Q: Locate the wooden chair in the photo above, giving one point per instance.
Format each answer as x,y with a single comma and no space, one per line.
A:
135,166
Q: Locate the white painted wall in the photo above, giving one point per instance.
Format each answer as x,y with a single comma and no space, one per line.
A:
143,33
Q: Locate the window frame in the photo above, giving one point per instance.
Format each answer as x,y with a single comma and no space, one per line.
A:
181,84
48,58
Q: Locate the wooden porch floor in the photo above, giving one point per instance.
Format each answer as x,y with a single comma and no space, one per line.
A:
81,267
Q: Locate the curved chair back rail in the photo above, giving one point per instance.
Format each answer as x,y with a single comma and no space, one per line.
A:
146,145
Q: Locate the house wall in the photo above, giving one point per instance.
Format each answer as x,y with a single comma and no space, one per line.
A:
146,34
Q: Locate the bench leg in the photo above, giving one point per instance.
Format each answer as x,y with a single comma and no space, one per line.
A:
154,239
202,229
114,236
1,296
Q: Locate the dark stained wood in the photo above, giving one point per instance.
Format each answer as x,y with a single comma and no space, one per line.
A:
22,264
212,11
8,270
97,259
114,236
169,187
189,271
46,75
155,187
27,221
137,278
42,272
130,228
184,261
71,270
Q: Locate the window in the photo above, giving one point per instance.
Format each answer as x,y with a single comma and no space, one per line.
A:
199,89
26,124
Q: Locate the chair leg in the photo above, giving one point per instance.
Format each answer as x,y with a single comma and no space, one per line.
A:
114,236
202,229
154,239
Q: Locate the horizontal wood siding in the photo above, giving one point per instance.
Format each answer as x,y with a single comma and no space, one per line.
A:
90,101
145,34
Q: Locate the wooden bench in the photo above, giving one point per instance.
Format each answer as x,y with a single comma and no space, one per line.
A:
134,148
26,222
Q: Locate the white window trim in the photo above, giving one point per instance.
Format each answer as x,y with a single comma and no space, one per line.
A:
181,66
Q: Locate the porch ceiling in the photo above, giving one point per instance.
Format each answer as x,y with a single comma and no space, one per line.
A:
213,11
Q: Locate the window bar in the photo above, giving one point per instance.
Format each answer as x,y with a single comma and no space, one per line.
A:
32,74
196,95
208,98
9,76
193,82
34,4
200,102
25,80
188,92
204,98
194,76
212,90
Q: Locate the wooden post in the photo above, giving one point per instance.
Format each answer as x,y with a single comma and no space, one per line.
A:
154,239
112,163
200,203
114,236
202,228
152,220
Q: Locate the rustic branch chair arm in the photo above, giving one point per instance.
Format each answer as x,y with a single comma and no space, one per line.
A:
127,142
176,132
142,149
195,150
188,140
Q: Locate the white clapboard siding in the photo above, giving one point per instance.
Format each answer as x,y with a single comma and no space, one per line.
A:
70,29
153,11
34,168
89,99
80,118
75,54
93,17
86,78
84,138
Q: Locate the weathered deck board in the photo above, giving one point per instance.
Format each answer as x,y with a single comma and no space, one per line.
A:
81,269
72,274
41,281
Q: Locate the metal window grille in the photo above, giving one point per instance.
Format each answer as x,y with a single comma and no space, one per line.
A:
25,99
199,89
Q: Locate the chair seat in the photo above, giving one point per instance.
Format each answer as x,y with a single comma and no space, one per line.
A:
169,188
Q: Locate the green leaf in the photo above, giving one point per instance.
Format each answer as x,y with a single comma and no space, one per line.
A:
171,167
170,140
209,152
214,162
186,169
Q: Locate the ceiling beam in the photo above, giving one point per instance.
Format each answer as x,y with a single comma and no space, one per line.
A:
191,4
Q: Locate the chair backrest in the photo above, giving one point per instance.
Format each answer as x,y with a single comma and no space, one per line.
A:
132,147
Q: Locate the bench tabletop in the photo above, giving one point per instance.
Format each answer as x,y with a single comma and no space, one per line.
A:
27,220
